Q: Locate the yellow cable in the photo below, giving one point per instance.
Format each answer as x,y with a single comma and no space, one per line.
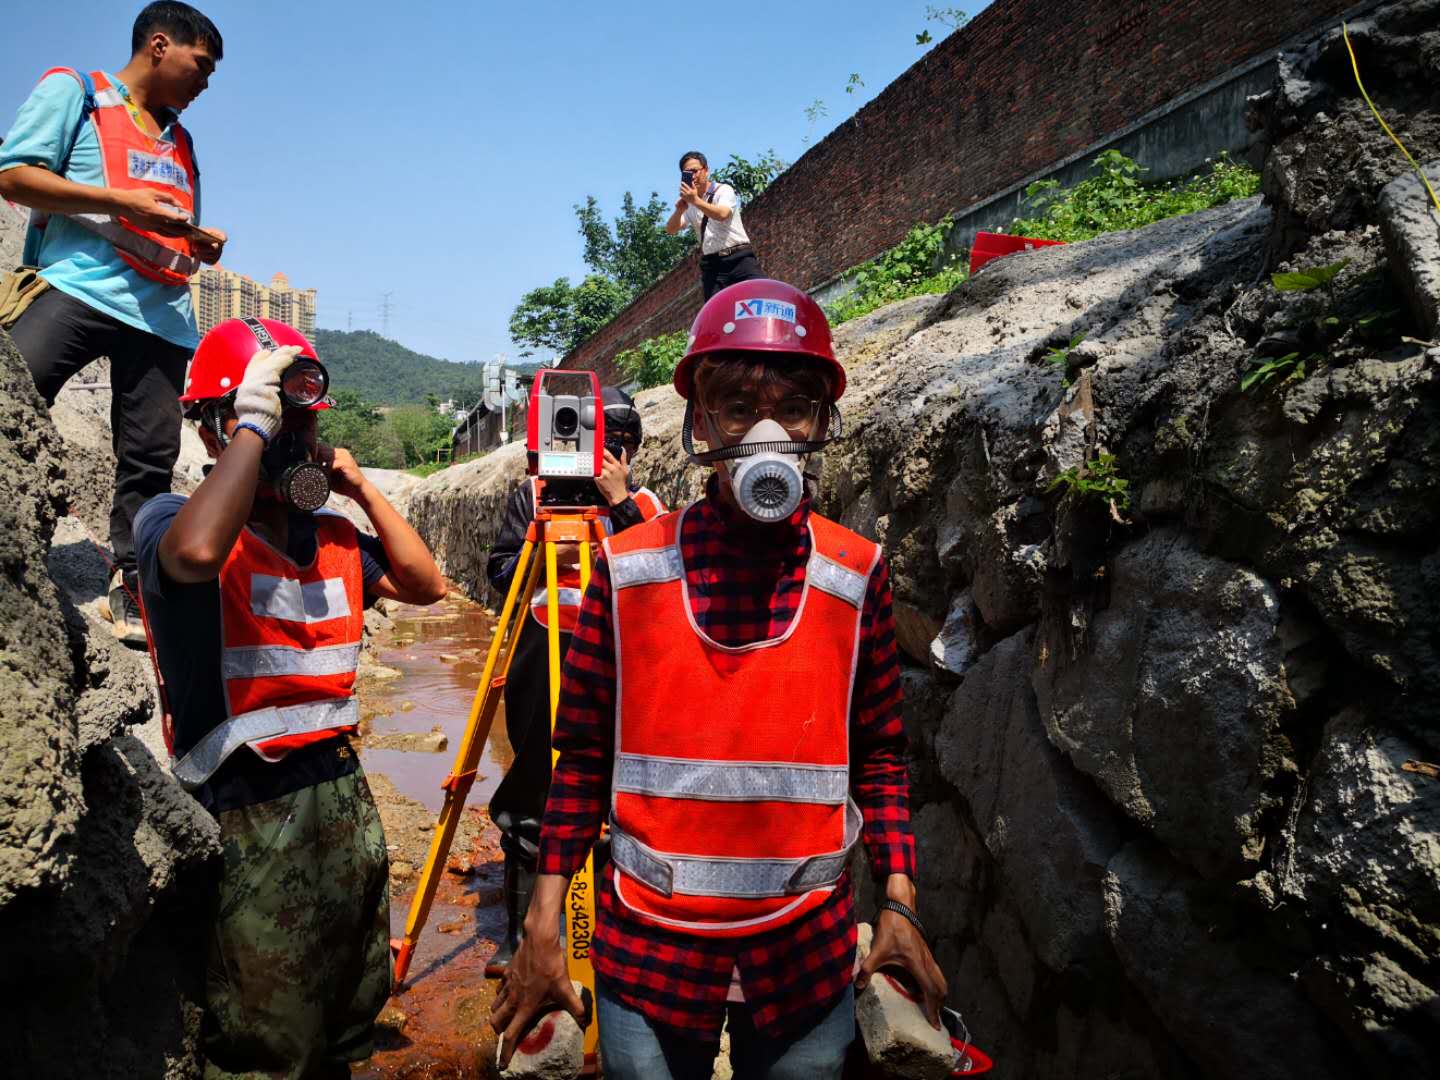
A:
1354,63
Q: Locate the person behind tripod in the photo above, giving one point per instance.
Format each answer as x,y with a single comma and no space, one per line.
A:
519,802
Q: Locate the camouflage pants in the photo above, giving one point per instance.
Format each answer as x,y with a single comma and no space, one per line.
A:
300,961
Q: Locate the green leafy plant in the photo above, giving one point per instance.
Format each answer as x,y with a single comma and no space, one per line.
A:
1098,479
1058,357
854,83
1310,278
917,266
950,17
1117,198
652,362
1276,372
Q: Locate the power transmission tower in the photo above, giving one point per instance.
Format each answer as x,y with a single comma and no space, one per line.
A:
385,307
349,321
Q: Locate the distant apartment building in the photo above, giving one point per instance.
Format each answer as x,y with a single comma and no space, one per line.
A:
220,294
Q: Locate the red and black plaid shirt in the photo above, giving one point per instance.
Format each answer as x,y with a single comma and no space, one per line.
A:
745,582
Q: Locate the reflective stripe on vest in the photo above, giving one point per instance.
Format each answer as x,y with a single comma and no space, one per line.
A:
652,567
255,728
731,781
737,820
286,598
564,597
747,879
256,661
141,245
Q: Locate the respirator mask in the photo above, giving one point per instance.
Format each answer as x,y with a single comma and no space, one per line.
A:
766,466
297,481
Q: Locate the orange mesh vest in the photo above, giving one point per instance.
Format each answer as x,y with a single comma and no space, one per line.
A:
291,643
567,579
730,807
131,158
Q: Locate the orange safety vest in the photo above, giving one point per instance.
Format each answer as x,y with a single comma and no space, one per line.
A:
291,643
567,583
131,158
730,805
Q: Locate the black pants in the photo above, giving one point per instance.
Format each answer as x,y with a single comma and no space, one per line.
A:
58,335
718,271
518,804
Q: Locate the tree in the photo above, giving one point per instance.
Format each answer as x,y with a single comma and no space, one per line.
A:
352,423
558,317
415,432
636,251
750,178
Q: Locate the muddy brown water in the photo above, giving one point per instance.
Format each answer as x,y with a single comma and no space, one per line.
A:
437,1026
432,691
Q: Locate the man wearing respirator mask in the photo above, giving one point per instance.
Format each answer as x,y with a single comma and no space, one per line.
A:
254,600
732,702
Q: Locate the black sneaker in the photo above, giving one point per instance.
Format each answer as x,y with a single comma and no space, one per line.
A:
125,608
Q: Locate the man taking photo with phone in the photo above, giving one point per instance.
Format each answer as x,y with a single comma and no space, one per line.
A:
713,211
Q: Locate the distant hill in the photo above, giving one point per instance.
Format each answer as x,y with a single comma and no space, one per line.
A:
387,373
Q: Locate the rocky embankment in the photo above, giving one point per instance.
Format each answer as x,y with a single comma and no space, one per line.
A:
105,861
1170,740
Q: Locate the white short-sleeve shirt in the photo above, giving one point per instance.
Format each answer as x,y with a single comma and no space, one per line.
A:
718,235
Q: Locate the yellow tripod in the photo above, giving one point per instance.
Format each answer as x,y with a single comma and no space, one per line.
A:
552,526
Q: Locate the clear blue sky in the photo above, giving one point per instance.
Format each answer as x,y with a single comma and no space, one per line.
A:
435,149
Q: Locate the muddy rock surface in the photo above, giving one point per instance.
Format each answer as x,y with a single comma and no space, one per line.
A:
1164,734
104,861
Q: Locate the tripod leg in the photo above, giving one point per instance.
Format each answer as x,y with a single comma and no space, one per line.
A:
467,758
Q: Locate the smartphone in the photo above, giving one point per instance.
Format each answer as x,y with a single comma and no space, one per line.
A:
195,232
687,175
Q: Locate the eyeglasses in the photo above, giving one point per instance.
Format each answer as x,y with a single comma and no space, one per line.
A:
796,414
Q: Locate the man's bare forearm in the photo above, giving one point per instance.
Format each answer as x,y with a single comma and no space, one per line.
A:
676,222
411,565
203,533
544,915
40,189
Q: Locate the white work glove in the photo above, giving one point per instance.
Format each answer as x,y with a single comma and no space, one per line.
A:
258,402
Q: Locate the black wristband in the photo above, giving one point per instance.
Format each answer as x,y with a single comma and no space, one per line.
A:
905,913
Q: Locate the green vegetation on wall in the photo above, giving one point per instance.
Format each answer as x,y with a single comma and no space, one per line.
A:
652,362
917,266
1118,198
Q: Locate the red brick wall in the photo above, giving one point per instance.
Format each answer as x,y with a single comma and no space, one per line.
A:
1025,84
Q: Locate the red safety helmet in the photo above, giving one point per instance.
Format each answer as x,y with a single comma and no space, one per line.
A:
759,315
219,364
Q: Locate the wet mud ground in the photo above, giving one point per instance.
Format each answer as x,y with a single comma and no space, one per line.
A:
437,1026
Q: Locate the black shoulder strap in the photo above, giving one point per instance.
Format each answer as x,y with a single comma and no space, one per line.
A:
705,218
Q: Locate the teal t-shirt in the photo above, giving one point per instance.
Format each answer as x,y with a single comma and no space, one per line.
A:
75,260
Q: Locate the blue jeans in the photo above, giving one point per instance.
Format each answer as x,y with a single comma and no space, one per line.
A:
633,1049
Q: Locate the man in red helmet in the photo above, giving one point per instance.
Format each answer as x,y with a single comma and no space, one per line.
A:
110,177
255,597
731,702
